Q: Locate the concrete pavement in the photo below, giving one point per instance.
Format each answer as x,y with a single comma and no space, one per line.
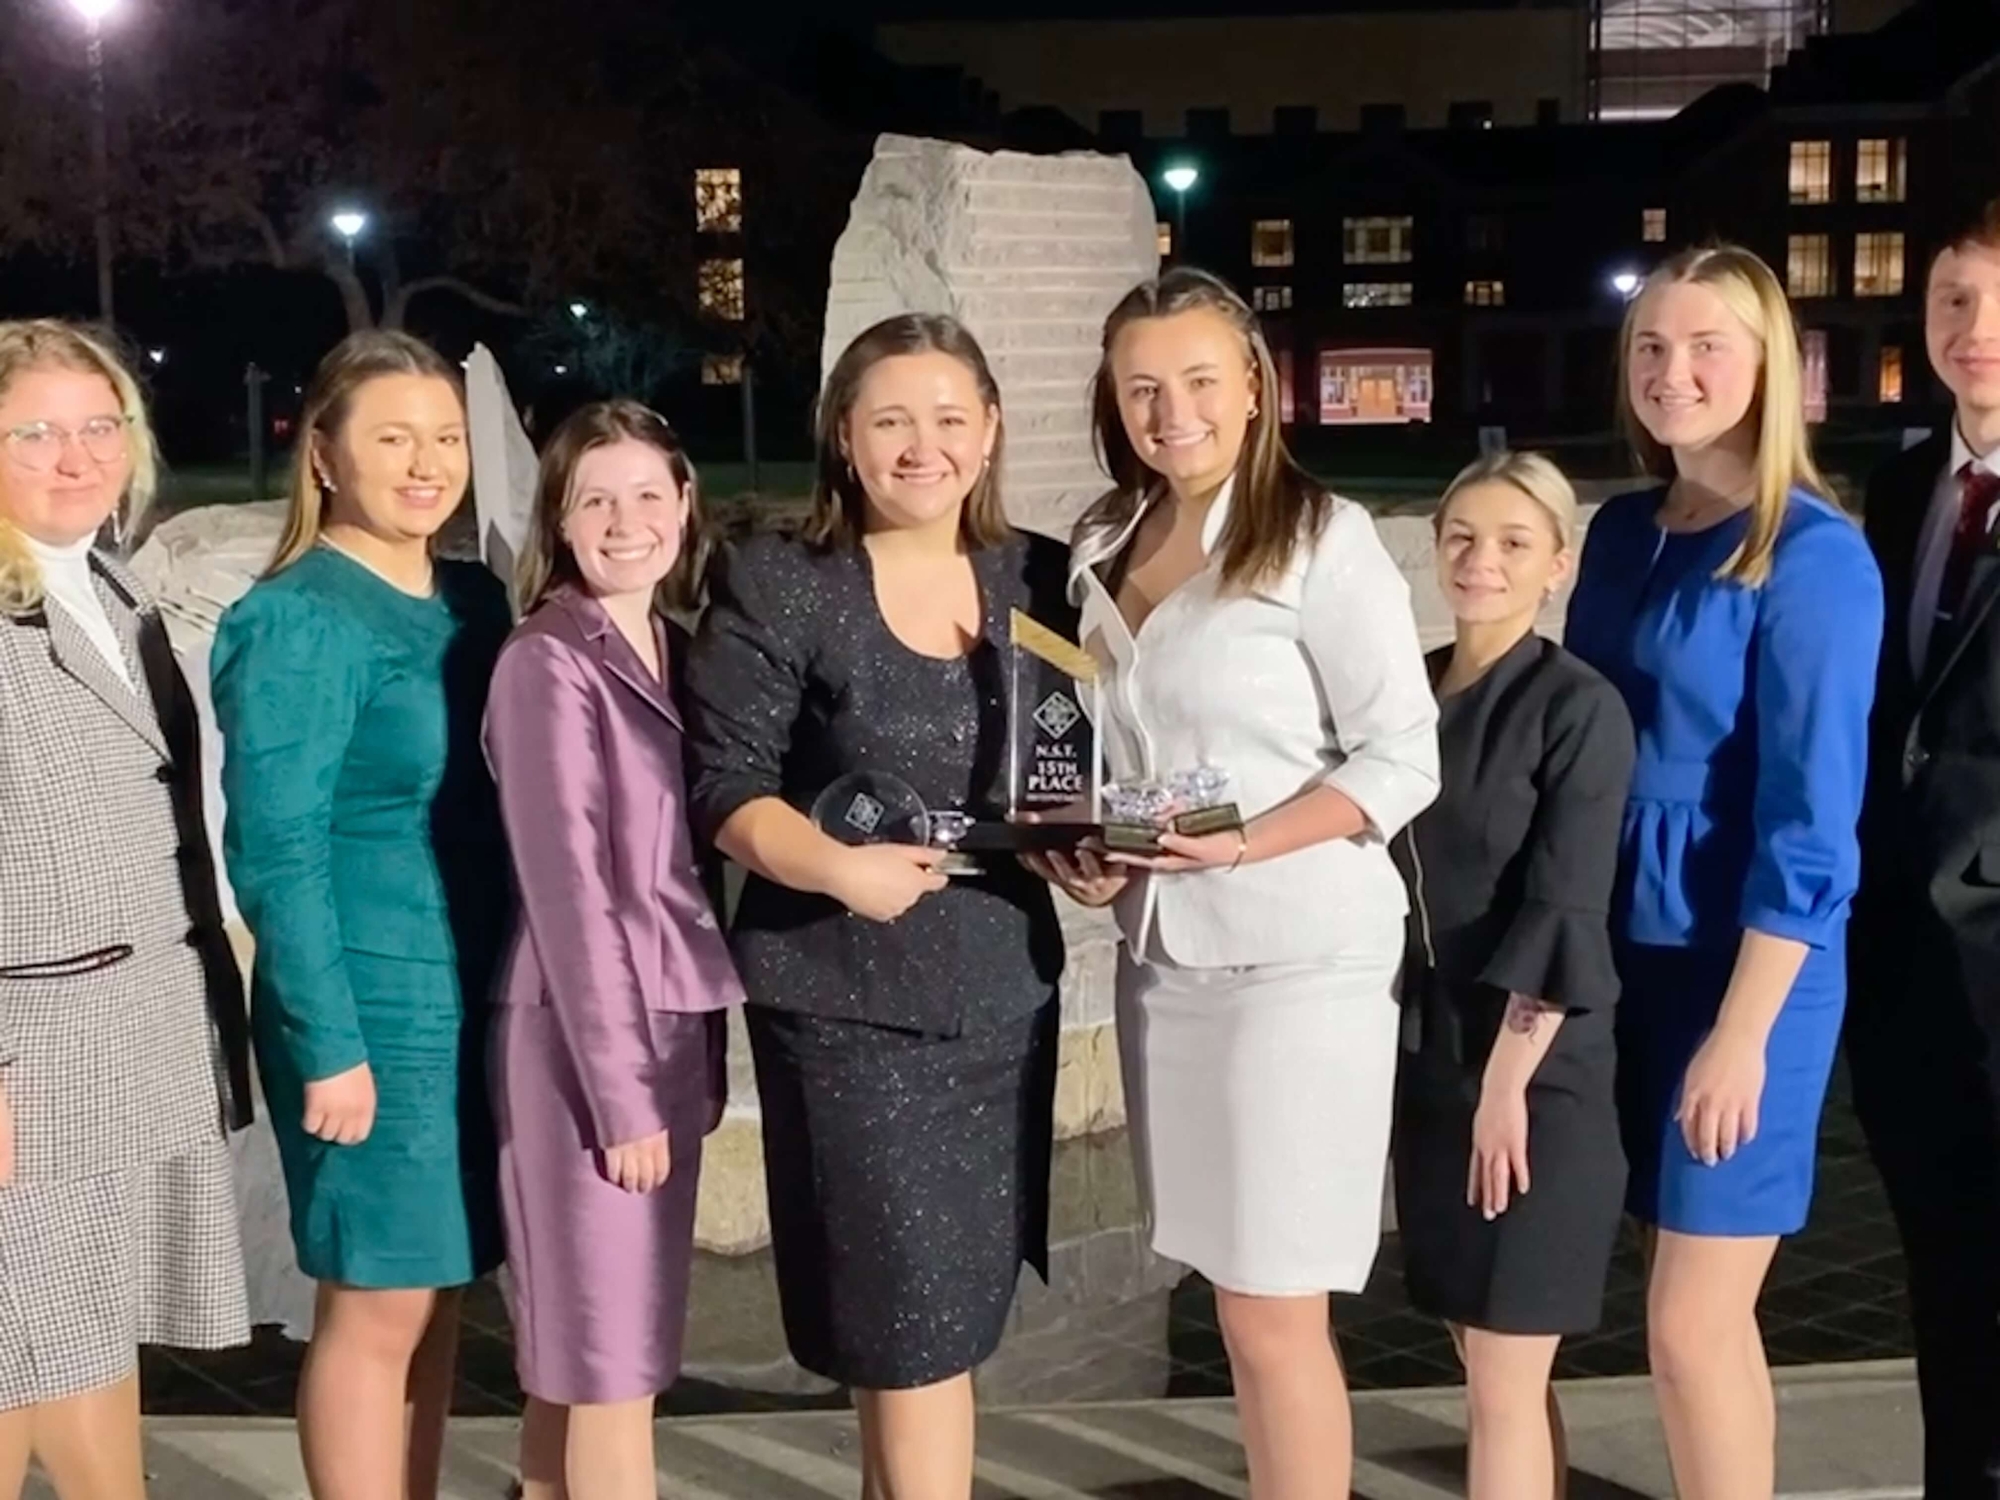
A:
1846,1432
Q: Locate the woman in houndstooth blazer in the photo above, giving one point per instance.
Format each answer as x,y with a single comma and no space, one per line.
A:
123,1043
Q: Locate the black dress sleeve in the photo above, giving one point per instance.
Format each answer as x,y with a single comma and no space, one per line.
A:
1557,948
745,685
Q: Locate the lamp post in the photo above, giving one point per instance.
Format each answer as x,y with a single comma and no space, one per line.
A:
348,223
94,14
1180,178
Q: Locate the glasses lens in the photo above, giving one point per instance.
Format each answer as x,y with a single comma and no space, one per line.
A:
35,447
103,438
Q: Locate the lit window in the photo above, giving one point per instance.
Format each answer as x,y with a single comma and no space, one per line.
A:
722,369
1889,375
1653,226
718,200
1288,412
721,289
1812,350
1379,241
1376,294
1374,385
1809,265
1880,169
1271,243
1164,233
1812,172
1878,264
1272,298
1486,294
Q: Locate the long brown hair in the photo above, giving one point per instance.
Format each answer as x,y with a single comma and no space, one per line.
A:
352,363
1275,503
46,344
547,560
1784,462
839,504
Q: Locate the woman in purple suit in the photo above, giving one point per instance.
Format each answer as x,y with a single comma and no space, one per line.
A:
607,1053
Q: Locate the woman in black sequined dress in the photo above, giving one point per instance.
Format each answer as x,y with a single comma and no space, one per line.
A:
903,1024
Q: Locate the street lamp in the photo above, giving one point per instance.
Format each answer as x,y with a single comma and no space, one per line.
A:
348,223
579,310
1180,178
1625,284
94,14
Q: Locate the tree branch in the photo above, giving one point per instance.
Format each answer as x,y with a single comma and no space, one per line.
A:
392,317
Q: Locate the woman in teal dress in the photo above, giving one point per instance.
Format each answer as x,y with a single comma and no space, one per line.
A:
365,849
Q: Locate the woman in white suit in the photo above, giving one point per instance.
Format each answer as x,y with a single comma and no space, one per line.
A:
1247,620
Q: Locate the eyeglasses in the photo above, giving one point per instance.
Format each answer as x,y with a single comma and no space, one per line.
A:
39,446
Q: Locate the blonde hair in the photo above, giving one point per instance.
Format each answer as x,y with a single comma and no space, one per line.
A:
46,344
1784,462
547,560
1533,474
1275,503
352,363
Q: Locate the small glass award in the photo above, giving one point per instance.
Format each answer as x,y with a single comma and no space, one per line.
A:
1190,803
874,807
1055,754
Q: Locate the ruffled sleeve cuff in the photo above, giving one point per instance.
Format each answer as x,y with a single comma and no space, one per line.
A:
1556,954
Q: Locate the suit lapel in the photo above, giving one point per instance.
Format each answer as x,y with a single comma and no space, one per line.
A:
1980,598
75,655
616,655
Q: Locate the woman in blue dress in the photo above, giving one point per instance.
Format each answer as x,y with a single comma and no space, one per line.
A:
1739,612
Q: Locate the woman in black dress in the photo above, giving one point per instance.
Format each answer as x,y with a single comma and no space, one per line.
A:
903,1025
1509,1176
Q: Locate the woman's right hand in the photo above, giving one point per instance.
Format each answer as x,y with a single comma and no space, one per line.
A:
1085,879
341,1109
882,881
6,1141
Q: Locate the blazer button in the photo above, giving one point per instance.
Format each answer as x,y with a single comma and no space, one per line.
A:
193,939
163,773
1916,758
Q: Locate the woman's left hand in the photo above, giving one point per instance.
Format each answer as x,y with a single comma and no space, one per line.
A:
1498,1170
1178,852
1720,1096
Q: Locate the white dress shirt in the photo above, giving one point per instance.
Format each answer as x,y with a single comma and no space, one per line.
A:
1934,546
1312,678
67,584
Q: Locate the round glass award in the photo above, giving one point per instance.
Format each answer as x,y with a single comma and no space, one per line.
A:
872,807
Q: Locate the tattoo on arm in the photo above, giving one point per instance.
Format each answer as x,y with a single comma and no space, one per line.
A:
1524,1013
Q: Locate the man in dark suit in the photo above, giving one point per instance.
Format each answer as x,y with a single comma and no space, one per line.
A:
1923,1027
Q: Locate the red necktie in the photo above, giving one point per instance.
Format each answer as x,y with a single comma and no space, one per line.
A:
1979,492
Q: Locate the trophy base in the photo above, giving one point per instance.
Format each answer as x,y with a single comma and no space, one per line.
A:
1144,838
996,837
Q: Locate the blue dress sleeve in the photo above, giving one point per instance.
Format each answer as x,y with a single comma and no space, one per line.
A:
1813,659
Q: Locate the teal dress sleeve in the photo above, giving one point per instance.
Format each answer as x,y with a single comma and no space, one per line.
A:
288,679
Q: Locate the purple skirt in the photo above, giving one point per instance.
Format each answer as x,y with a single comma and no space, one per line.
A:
597,1278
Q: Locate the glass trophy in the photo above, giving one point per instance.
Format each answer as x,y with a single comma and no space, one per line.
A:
1055,756
874,807
1190,803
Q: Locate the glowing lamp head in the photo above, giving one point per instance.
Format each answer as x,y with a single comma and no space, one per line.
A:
96,12
1181,178
348,224
1625,283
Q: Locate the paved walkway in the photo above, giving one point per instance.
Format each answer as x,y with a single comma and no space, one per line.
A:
1847,1432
